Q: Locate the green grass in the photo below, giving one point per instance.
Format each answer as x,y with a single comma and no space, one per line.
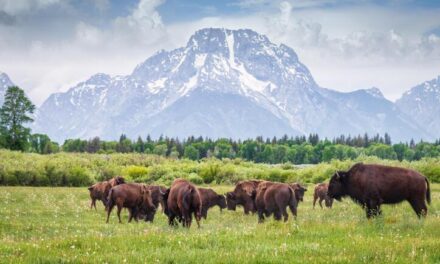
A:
41,225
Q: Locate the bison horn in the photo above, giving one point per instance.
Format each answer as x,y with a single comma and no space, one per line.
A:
337,175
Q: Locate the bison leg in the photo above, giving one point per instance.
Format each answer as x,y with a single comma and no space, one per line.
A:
171,221
109,212
130,214
293,210
320,202
373,209
93,204
314,200
260,216
119,213
277,215
419,207
285,214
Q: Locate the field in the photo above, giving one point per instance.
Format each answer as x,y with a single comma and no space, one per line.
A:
42,224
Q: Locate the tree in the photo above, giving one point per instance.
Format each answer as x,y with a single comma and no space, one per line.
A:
191,153
13,115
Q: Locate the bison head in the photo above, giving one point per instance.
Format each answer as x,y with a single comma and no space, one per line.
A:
299,191
328,201
221,201
231,201
336,188
116,181
147,206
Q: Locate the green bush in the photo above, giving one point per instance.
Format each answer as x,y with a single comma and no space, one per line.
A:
137,173
79,177
209,172
194,178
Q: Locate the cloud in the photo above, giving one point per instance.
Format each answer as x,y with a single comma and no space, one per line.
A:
46,64
101,5
6,19
143,25
14,7
46,49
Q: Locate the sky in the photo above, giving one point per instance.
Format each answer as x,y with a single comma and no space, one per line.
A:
48,46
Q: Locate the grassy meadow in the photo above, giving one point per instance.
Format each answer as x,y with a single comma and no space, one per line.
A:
46,225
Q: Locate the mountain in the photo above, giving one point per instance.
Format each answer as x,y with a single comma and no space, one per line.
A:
5,82
223,83
422,102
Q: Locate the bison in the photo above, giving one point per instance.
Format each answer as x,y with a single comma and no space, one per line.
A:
134,196
273,198
243,194
299,191
157,195
373,185
210,199
99,191
183,200
321,194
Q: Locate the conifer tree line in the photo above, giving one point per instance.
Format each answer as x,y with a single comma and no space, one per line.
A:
298,150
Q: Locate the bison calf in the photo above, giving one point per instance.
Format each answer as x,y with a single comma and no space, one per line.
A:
210,199
374,185
243,194
100,190
320,193
133,196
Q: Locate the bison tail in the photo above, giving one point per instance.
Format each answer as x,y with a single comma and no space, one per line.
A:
293,204
428,191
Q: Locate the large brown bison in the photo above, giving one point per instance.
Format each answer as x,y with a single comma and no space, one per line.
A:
183,200
273,198
320,193
99,191
133,196
243,194
210,199
374,185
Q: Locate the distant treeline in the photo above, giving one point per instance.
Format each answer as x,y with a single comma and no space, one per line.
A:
296,150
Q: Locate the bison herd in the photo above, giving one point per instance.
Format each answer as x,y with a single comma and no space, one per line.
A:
368,185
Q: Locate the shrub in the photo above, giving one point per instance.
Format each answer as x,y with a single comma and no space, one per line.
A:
79,177
209,172
194,178
137,173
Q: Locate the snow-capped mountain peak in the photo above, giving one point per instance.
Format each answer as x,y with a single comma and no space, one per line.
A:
223,83
374,91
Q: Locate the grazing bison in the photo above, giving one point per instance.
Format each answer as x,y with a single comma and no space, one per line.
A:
243,194
374,185
99,191
134,196
157,195
273,198
210,199
320,193
183,200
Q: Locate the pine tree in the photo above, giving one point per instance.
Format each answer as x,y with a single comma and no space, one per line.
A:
13,115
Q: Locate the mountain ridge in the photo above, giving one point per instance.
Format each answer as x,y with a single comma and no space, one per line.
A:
274,94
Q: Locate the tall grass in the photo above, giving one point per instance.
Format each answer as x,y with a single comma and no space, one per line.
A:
47,225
